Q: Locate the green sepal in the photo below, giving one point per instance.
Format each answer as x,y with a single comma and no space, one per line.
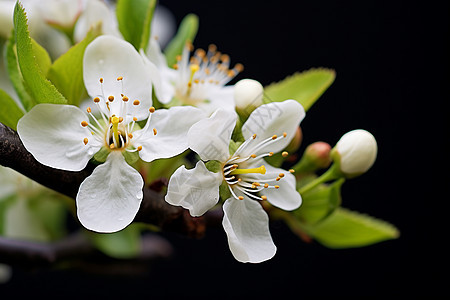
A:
165,167
134,18
214,166
10,112
320,202
233,146
305,87
186,33
348,229
123,244
66,73
131,157
101,155
224,191
41,89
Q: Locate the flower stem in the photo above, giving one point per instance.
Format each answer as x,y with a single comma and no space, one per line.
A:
330,174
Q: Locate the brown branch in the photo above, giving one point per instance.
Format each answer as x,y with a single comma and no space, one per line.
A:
153,210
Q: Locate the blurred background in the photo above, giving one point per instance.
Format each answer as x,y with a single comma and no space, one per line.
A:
391,63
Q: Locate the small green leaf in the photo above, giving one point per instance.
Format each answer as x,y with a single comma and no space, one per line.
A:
15,76
320,202
42,57
305,87
10,112
134,18
214,166
186,33
66,73
122,244
39,87
347,229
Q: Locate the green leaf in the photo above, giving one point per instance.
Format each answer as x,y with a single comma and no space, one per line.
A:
10,112
134,18
66,73
347,229
305,87
39,87
186,33
42,57
15,76
122,244
320,202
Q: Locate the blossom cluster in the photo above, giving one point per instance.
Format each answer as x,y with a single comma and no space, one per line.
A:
140,108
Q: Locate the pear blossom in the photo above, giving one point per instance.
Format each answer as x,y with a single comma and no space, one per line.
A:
356,152
198,80
65,137
245,174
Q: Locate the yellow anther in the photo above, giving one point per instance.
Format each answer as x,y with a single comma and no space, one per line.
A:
253,155
111,98
278,179
270,153
281,175
284,154
175,66
120,119
260,170
225,58
154,131
96,99
178,57
241,198
239,67
284,134
139,148
264,197
254,136
256,184
119,78
212,48
85,141
253,186
136,102
134,119
277,186
89,110
84,124
196,81
152,109
231,73
112,146
274,137
125,99
101,80
130,135
291,171
266,185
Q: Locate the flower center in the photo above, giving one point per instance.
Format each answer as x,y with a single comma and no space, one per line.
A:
116,126
199,74
248,180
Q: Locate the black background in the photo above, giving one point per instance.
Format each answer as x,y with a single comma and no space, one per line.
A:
391,61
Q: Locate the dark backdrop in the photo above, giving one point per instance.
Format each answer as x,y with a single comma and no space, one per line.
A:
391,64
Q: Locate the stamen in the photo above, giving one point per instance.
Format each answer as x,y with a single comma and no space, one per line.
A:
125,99
84,124
96,99
152,109
89,110
101,80
154,131
111,98
264,197
136,102
119,78
85,141
241,198
291,171
139,148
115,126
284,154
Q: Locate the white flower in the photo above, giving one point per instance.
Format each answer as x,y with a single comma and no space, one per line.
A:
63,136
198,80
244,172
357,151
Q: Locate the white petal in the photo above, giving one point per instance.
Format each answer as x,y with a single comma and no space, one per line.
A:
286,197
172,126
274,119
54,135
210,138
109,57
219,98
247,227
164,91
196,189
109,198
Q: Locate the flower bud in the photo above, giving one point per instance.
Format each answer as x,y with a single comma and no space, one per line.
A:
355,152
248,95
319,154
296,141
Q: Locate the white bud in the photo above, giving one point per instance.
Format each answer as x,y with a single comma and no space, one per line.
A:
248,94
357,151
